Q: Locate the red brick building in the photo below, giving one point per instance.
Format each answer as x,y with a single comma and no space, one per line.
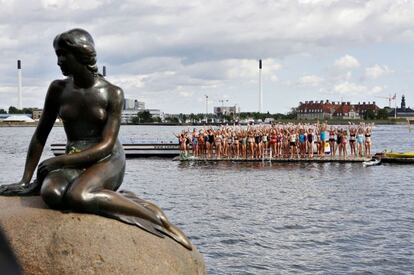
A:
363,107
326,109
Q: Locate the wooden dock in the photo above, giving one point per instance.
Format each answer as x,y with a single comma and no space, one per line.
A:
278,160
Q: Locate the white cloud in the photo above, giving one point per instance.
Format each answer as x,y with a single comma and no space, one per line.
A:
72,4
347,62
377,71
354,89
376,90
248,68
185,93
153,47
349,88
310,81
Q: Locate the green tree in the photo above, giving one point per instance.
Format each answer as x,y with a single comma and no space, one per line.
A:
382,114
192,117
145,116
173,120
228,118
292,114
14,110
200,116
2,111
369,114
279,116
135,120
27,110
182,117
142,117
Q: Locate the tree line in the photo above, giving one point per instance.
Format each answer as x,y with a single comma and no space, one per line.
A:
146,117
14,110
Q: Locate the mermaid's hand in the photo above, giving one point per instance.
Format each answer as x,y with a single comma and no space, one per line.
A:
47,166
19,189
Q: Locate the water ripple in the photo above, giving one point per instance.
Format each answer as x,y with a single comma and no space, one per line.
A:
262,218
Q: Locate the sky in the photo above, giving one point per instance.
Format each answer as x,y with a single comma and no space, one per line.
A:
172,54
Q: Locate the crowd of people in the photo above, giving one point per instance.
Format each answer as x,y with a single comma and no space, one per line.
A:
277,141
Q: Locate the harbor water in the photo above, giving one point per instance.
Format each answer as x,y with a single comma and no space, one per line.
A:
268,218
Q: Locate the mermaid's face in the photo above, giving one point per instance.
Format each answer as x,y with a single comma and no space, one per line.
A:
67,61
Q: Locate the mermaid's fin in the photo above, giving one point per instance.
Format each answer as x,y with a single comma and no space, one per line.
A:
145,224
141,223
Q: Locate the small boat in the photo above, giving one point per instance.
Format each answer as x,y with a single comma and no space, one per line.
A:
395,157
371,162
399,155
168,149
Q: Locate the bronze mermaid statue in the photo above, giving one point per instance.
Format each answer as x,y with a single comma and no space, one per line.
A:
87,177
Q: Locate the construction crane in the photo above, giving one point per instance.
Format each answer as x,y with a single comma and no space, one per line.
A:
390,98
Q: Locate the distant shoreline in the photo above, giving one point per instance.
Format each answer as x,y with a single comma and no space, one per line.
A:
335,122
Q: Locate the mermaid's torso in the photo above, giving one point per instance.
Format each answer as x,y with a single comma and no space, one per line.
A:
84,111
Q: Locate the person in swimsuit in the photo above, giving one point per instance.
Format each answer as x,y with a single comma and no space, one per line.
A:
251,142
86,177
352,140
201,144
218,139
210,143
302,142
322,139
182,143
236,145
360,141
339,144
292,143
338,140
286,142
368,142
273,143
257,143
310,141
230,142
265,143
224,143
243,141
344,140
194,142
332,140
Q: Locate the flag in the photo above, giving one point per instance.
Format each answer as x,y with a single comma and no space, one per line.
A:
394,97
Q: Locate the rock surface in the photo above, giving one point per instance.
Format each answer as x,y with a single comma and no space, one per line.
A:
46,241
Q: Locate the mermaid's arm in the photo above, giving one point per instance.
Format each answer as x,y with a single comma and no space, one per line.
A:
37,143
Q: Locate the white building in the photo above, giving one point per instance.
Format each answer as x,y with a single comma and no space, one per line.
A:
226,110
139,105
131,109
133,104
128,115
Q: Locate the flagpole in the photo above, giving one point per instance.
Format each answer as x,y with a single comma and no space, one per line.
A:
395,104
19,85
206,108
260,87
